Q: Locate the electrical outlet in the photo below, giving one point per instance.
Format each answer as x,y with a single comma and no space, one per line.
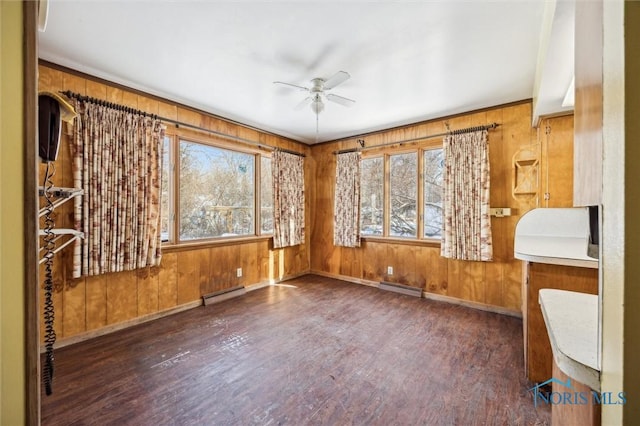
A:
389,270
239,272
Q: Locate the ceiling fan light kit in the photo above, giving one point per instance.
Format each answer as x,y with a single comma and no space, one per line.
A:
318,89
317,106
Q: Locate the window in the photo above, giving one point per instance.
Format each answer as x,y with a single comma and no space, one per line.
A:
433,165
213,192
217,195
403,195
266,196
400,214
371,196
165,195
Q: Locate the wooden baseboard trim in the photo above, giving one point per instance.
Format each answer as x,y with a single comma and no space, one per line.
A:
265,283
122,325
257,286
222,295
156,315
347,278
290,277
432,296
470,304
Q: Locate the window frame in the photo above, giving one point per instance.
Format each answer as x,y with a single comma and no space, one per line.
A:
386,234
259,159
170,138
176,137
421,194
387,192
382,201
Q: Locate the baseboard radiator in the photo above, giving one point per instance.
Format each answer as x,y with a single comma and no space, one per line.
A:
400,288
219,296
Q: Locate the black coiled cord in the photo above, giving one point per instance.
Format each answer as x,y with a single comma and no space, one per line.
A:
49,246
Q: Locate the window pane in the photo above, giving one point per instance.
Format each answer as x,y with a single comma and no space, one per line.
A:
216,192
371,196
403,191
433,167
165,198
266,196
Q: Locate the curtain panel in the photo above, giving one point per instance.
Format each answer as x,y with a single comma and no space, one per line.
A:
467,222
288,199
346,209
117,159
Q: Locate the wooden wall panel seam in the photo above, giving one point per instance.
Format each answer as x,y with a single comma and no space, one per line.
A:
415,263
91,304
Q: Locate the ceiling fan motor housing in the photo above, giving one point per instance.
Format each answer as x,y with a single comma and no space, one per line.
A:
317,91
318,85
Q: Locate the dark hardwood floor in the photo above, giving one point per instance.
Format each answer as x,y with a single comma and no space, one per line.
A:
309,351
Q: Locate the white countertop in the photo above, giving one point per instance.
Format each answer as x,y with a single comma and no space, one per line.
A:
569,251
572,324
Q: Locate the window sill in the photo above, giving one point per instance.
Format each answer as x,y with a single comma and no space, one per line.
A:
427,242
199,244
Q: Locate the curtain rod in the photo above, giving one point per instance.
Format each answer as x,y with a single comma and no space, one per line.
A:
450,132
177,123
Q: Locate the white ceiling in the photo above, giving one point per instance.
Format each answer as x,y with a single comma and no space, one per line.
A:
408,61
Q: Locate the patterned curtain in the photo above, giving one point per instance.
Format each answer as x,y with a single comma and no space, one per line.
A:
288,199
117,161
346,210
467,223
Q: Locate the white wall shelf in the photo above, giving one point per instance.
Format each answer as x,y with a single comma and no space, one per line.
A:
60,234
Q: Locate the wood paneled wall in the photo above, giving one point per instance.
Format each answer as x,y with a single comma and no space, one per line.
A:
85,306
555,136
588,103
495,284
91,305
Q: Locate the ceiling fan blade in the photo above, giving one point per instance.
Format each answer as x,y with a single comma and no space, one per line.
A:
292,85
340,100
303,103
337,78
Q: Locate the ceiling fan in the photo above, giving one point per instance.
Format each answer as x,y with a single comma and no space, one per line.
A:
317,92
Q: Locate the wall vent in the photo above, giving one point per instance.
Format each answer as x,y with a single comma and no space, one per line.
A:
400,288
219,296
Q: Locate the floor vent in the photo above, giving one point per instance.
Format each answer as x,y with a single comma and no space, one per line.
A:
401,288
221,295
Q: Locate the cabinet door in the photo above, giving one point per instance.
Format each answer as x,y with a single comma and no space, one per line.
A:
573,414
539,356
587,175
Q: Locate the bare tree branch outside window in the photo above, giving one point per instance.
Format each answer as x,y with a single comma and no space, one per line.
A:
371,196
403,194
433,169
165,194
216,192
266,196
